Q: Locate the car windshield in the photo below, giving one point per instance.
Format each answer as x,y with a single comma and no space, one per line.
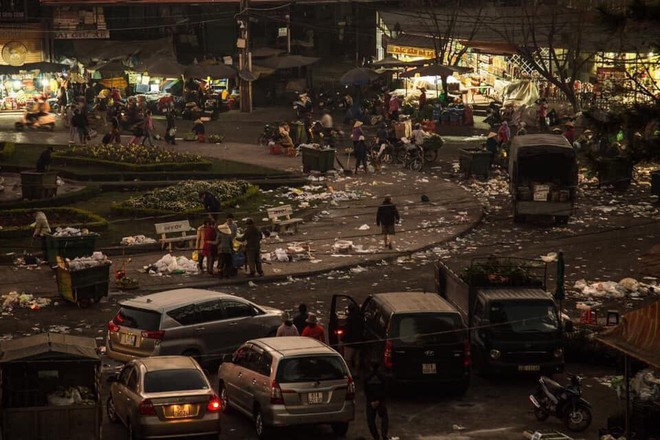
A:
137,318
427,328
311,369
174,380
523,317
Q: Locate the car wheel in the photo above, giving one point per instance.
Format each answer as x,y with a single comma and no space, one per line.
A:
339,428
430,155
224,398
260,427
111,410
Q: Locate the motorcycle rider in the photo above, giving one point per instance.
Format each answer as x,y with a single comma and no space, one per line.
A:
419,135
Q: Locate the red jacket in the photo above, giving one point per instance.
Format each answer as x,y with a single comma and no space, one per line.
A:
315,332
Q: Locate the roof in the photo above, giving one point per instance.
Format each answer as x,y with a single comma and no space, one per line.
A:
294,345
414,302
637,334
169,299
515,294
154,363
46,346
532,144
412,41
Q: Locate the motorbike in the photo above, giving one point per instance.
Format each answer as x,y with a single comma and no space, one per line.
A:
270,134
413,158
493,115
36,121
565,403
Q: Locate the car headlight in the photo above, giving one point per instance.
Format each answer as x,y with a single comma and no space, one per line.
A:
559,352
495,354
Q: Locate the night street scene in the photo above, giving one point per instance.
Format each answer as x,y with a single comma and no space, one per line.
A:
326,219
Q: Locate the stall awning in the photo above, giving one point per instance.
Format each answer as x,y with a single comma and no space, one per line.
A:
86,50
412,46
48,345
638,335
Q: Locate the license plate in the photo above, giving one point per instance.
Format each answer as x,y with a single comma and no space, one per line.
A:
181,411
315,398
127,339
529,368
428,368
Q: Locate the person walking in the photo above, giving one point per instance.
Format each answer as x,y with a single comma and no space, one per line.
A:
207,246
225,242
386,217
361,152
300,320
170,130
393,109
41,229
252,238
148,128
287,328
542,115
79,121
353,338
422,98
314,330
73,131
375,390
62,100
138,130
503,135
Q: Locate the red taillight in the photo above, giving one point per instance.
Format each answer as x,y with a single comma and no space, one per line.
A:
153,334
388,354
112,327
276,394
214,404
146,408
339,332
467,360
350,390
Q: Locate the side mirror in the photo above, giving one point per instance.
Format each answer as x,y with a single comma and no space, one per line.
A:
227,358
113,378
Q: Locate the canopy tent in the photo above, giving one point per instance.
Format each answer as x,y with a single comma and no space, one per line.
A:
162,66
436,70
42,66
390,61
111,69
264,52
358,76
287,61
520,93
212,70
47,344
88,50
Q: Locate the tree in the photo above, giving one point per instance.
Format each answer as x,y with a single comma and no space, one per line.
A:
554,41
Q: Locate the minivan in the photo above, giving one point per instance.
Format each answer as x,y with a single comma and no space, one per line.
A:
417,337
289,380
200,323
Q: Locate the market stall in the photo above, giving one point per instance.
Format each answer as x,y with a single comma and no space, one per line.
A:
50,386
21,87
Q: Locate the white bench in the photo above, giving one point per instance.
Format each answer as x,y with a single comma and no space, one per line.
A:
280,216
182,228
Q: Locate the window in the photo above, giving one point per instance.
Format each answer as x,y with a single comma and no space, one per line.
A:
174,380
131,382
523,317
428,328
264,363
137,318
185,315
211,311
235,309
311,369
123,376
240,356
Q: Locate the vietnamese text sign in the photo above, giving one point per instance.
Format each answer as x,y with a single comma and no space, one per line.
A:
411,51
81,35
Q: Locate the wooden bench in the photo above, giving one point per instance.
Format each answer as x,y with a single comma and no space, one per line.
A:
280,217
182,228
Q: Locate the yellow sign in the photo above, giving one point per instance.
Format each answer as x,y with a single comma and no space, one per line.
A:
411,51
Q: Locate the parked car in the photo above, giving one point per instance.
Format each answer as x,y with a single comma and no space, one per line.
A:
418,337
164,396
286,381
194,322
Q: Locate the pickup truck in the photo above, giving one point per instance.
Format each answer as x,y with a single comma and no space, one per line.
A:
513,322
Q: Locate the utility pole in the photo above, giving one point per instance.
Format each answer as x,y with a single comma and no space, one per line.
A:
245,57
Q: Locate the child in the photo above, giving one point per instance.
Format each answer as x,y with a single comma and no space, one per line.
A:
199,130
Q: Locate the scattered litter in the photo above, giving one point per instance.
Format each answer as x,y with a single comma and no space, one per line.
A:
80,263
342,247
252,284
357,269
136,240
14,300
626,288
457,427
72,232
364,227
173,265
549,258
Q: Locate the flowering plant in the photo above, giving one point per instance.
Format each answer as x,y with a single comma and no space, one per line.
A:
133,153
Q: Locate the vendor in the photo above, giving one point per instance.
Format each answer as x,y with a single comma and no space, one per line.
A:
199,130
422,98
419,135
492,145
285,140
41,229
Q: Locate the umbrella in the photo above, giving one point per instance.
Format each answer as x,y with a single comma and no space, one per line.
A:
212,70
358,76
436,70
287,61
246,75
165,67
264,52
111,69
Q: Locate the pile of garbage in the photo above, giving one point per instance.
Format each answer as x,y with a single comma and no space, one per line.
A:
170,264
72,232
646,385
14,300
321,193
626,288
76,395
488,191
136,240
80,263
296,251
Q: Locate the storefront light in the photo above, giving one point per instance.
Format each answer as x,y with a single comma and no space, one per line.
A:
44,82
17,84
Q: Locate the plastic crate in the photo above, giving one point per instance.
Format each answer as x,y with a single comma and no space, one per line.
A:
69,247
83,286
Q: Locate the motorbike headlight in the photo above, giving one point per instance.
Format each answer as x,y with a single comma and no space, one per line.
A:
559,352
495,354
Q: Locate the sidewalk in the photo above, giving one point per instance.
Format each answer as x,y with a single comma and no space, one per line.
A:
451,211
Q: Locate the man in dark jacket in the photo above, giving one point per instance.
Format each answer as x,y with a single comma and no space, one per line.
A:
375,390
300,320
353,338
210,202
252,238
45,159
386,217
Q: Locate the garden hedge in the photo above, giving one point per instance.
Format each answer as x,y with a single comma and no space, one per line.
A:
17,222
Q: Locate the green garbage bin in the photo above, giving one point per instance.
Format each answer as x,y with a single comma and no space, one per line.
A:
310,159
69,247
37,185
474,162
83,286
615,171
326,159
297,130
655,182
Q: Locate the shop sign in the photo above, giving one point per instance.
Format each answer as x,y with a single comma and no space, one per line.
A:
81,35
12,10
411,51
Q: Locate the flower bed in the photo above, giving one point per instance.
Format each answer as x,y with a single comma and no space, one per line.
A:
131,157
17,221
184,197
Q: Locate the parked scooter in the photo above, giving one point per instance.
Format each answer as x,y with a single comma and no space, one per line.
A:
565,403
36,121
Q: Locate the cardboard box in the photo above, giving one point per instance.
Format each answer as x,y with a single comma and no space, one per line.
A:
541,196
541,188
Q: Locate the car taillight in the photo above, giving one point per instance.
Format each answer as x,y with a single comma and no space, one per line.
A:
467,359
146,408
339,332
112,327
350,390
214,404
388,354
276,394
153,334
